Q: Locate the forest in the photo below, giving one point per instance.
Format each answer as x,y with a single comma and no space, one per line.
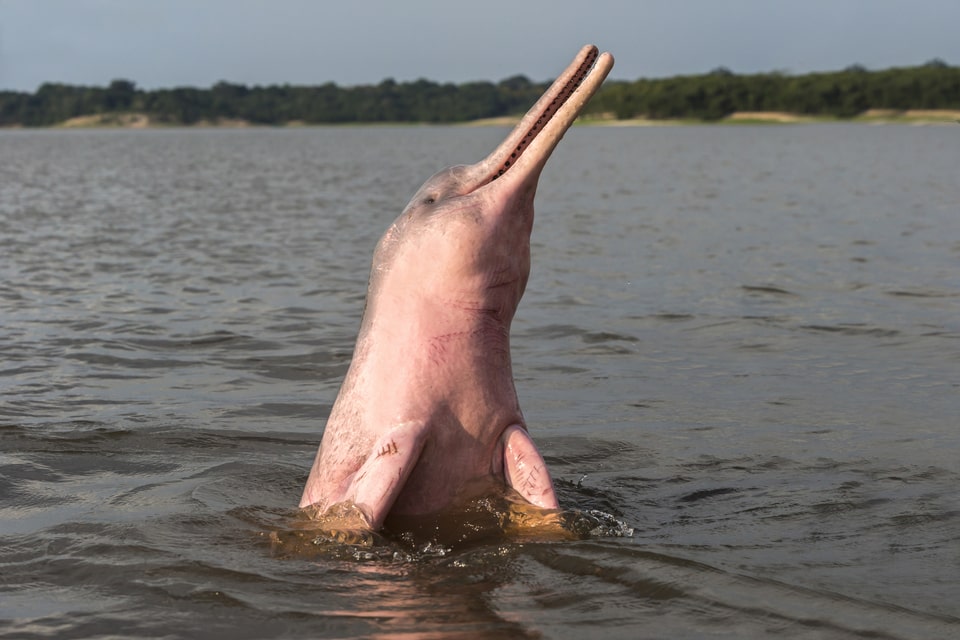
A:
706,97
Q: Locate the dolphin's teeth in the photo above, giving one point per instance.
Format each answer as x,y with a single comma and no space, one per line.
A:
555,105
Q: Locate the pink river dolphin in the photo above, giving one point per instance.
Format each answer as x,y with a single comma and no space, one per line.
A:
427,414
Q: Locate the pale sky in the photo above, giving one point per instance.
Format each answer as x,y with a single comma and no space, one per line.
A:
168,43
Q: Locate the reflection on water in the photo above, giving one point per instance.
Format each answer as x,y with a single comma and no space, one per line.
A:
740,342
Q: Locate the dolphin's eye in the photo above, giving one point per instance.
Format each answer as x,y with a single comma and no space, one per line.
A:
429,200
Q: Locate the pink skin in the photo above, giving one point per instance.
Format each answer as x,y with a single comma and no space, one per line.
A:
428,414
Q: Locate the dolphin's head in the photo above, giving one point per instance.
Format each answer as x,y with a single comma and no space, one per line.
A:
463,241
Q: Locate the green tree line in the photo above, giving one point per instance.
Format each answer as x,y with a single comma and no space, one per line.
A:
841,94
710,96
389,101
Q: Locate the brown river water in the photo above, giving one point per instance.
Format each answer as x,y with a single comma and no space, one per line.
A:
739,351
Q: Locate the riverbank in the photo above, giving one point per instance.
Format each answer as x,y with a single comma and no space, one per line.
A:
872,116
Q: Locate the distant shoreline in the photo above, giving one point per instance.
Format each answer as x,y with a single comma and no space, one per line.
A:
872,116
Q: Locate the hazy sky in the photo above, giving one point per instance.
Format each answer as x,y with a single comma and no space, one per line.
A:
166,43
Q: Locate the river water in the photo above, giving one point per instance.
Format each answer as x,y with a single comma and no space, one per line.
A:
739,344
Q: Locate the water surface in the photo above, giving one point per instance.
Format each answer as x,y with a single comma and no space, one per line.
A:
742,342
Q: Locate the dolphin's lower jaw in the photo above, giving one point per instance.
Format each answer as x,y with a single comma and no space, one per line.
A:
538,116
541,129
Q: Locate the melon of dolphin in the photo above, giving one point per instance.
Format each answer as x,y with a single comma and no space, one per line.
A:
427,414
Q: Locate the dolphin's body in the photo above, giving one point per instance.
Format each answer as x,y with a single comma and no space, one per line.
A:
428,413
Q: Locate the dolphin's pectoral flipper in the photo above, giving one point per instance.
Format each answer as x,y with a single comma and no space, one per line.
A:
378,482
525,469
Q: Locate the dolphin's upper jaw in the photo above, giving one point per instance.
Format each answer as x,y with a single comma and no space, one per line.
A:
523,154
559,93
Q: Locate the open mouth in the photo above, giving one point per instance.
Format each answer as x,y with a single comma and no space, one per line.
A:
534,138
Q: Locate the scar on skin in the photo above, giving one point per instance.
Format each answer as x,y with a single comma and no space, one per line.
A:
531,478
388,450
